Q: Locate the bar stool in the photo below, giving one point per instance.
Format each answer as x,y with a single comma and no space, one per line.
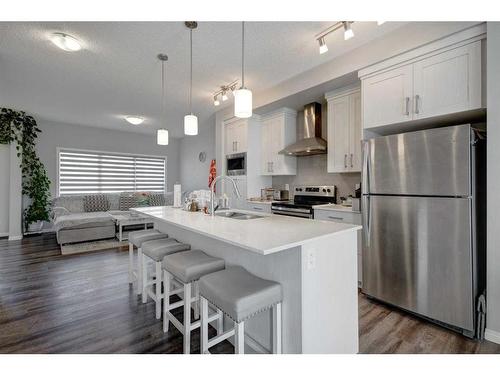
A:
137,238
240,295
187,267
155,251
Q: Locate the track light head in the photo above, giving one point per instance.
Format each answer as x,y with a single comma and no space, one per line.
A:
348,33
224,96
216,100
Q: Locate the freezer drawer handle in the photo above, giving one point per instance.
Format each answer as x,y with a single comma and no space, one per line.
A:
335,218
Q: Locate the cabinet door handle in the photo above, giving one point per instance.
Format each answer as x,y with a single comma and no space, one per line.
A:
272,166
407,111
351,162
417,101
235,145
335,218
345,160
257,208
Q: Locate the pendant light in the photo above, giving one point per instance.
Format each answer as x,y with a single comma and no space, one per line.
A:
191,121
243,96
162,134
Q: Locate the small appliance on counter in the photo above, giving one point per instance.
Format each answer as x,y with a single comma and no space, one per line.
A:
281,195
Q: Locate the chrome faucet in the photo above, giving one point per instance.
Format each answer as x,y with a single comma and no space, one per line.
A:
212,191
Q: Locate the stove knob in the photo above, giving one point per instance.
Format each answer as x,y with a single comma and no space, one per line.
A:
324,190
328,190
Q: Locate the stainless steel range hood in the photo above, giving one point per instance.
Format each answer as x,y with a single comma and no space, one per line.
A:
311,142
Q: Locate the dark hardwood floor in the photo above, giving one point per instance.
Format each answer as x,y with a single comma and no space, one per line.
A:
51,303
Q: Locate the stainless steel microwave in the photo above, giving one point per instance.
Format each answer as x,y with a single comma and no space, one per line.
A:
236,164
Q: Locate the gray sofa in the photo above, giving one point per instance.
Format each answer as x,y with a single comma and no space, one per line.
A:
74,222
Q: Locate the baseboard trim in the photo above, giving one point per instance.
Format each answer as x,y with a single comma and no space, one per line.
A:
492,336
4,234
15,238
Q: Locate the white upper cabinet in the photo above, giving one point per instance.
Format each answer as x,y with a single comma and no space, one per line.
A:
387,97
448,82
440,78
344,130
279,129
235,136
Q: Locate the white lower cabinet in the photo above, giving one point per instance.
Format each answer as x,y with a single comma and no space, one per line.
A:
347,218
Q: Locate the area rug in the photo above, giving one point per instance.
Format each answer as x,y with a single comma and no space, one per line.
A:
85,247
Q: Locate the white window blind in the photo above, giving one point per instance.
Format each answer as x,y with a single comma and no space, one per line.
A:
99,172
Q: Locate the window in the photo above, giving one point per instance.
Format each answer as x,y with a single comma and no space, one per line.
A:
82,172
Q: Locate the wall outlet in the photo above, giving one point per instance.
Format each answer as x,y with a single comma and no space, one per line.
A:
311,259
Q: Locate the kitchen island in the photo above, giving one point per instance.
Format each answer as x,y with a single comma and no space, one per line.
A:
315,262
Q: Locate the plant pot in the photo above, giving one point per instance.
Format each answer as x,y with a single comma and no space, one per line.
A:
36,226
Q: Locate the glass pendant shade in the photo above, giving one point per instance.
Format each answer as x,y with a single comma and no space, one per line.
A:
162,137
190,125
243,103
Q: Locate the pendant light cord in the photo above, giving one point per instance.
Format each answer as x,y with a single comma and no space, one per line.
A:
243,54
163,89
191,73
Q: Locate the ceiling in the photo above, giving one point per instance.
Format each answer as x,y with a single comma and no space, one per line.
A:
117,72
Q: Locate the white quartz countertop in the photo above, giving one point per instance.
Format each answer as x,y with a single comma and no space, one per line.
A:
266,235
335,207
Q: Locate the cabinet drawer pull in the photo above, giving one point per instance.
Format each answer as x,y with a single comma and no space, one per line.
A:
351,162
407,110
417,102
257,208
335,218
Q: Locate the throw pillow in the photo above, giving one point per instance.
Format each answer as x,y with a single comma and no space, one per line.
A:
157,200
127,201
95,203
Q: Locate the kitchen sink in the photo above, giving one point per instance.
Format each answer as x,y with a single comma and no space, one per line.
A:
237,215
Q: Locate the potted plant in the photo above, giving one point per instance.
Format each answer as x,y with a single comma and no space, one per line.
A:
16,126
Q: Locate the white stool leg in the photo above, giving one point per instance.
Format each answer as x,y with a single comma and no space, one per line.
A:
139,270
144,273
187,318
166,300
220,322
277,329
130,263
196,306
158,289
204,326
239,338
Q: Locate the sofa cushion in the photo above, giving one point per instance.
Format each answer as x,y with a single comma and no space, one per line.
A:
127,201
83,220
95,203
73,203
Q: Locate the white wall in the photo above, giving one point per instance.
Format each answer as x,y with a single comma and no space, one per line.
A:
84,137
4,189
193,173
493,157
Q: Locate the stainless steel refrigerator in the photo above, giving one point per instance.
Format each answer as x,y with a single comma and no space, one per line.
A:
423,196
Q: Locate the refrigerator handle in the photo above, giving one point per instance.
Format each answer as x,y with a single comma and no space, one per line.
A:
365,173
366,216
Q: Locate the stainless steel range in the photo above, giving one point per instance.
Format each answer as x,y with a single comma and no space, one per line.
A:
305,197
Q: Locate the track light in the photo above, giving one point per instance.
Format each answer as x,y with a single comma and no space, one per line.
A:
322,46
348,33
224,96
216,100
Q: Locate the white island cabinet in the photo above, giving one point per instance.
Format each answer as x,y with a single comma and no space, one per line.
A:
314,261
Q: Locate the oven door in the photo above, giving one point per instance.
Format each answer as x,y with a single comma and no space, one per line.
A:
236,164
290,211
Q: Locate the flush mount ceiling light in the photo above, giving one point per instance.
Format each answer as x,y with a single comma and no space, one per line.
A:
65,42
322,46
162,134
348,33
243,96
321,37
134,120
191,121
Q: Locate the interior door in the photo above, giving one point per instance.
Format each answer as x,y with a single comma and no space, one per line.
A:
449,82
417,255
387,97
338,134
355,132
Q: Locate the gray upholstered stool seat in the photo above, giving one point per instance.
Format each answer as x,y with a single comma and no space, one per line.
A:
187,267
190,266
158,249
138,237
239,293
